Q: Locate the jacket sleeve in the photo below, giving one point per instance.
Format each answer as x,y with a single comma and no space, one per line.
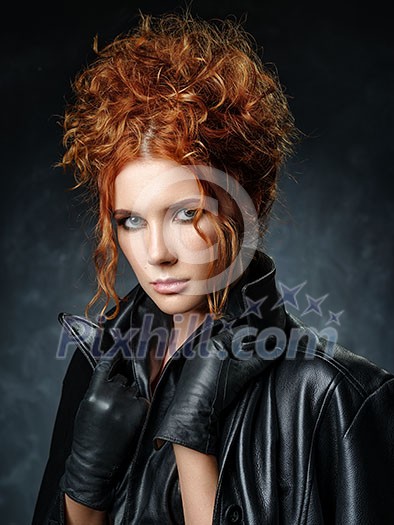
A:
49,503
366,462
357,482
211,380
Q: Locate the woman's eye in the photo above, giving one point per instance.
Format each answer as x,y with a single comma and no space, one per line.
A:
132,223
185,215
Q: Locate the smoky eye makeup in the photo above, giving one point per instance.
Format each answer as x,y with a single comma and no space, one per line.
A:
128,220
182,212
185,214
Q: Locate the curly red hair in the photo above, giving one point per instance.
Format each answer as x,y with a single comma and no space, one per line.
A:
181,88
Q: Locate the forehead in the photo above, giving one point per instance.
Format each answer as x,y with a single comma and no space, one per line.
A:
153,183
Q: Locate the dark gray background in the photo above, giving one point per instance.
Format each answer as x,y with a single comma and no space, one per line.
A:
332,226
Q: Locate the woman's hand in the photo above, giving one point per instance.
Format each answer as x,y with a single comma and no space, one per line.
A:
106,428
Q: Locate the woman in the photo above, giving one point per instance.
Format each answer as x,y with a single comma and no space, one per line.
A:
198,398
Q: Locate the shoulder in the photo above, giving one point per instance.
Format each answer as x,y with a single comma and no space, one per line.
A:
328,377
330,364
320,360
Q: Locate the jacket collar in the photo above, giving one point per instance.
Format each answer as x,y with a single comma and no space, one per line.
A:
255,297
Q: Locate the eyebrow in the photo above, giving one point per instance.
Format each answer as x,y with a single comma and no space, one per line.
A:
184,202
121,213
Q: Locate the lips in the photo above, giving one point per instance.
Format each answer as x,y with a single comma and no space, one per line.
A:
169,286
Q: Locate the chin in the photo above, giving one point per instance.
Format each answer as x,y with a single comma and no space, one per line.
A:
178,304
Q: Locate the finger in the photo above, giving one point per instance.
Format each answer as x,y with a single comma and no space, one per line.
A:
121,369
119,379
100,373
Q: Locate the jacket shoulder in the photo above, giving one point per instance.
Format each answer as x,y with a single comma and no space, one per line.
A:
325,362
331,383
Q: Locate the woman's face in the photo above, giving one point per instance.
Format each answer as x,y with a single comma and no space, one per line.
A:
155,202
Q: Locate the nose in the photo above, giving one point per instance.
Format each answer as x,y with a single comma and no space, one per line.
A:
157,246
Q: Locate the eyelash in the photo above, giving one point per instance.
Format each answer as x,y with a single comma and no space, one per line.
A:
122,221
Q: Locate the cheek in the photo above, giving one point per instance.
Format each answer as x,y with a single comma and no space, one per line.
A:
209,230
133,251
188,238
191,248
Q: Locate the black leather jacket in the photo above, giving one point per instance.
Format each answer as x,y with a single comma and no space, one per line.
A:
309,441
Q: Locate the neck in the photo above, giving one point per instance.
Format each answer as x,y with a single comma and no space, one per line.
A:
184,325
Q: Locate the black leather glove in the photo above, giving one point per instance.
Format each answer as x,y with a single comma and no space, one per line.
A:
106,428
210,381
